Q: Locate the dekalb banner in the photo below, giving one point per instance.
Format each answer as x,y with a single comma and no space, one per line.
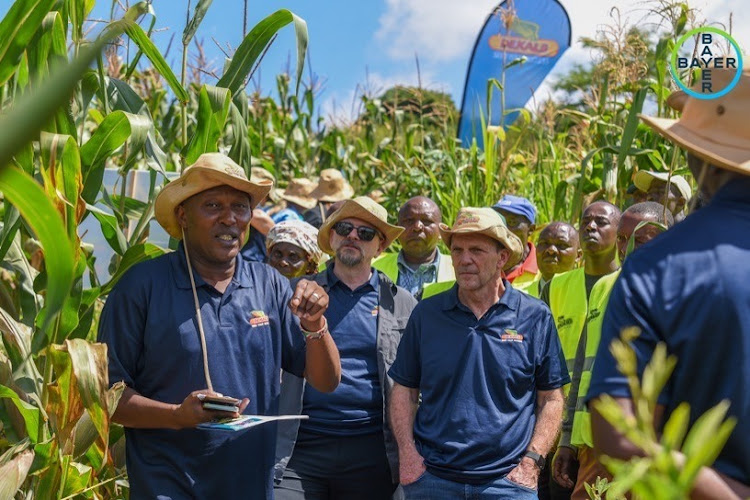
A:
540,32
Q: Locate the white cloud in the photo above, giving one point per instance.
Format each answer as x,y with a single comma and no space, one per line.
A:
437,30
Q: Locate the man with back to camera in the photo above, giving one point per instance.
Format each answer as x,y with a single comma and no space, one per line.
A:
688,289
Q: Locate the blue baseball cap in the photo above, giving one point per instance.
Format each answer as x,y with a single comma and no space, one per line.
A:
517,205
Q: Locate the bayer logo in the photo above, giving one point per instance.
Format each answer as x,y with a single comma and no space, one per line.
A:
694,64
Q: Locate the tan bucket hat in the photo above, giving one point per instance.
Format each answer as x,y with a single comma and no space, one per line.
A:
298,191
716,130
488,222
208,171
365,209
259,174
644,178
332,187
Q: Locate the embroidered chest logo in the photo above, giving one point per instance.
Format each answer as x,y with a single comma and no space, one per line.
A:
511,336
562,322
258,318
374,312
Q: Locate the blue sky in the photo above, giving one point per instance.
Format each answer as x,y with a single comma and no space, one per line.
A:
371,44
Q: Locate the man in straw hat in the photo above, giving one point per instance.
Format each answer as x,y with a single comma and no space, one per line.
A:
331,188
204,318
689,289
487,361
654,185
298,200
346,450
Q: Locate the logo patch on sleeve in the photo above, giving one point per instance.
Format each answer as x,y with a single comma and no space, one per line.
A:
511,336
258,318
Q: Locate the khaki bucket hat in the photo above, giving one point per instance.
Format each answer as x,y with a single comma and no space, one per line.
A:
298,191
362,208
332,187
488,222
209,170
715,130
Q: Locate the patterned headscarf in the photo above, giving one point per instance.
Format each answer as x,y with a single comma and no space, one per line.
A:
297,233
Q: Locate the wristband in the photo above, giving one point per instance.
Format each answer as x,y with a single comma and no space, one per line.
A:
318,334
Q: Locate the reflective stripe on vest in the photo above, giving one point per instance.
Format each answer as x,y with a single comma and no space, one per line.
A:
572,310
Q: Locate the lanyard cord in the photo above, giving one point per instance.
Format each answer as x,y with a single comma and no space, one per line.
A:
198,315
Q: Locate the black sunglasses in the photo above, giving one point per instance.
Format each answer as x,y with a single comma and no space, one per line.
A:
363,233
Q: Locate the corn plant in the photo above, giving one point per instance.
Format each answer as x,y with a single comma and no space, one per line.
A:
64,122
659,473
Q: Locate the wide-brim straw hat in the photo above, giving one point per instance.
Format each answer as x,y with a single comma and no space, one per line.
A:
644,178
298,191
210,170
715,130
332,187
259,174
486,221
364,209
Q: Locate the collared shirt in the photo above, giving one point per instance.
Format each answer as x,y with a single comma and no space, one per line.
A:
356,406
479,380
413,280
689,289
150,327
528,266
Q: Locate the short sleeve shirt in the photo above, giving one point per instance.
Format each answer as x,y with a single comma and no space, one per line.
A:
479,380
149,325
688,288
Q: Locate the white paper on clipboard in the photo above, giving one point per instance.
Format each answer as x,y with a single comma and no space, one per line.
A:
247,422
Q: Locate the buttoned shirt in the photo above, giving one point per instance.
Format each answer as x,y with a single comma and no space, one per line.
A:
149,325
414,279
479,380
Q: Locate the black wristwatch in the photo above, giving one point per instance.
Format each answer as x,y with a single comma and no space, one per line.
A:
536,457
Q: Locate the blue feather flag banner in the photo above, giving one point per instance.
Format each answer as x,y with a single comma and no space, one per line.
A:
527,38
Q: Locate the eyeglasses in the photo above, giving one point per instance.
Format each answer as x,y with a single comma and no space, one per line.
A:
363,233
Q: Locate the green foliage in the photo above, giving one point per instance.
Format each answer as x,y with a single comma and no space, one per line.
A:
660,473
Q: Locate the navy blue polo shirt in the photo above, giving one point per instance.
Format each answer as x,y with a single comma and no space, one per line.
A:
479,381
151,331
690,288
255,248
356,406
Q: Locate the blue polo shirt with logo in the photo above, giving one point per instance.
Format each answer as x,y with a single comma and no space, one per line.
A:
150,328
356,406
479,380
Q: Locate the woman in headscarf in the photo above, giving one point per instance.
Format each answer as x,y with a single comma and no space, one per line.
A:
293,248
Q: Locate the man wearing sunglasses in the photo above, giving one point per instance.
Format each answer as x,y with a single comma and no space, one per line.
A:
346,448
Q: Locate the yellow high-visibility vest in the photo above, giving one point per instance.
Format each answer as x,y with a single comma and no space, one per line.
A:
572,310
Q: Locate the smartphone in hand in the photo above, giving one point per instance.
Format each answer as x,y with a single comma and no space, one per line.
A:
221,403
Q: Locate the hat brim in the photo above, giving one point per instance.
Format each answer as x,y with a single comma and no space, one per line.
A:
196,180
354,210
719,155
644,178
305,202
497,233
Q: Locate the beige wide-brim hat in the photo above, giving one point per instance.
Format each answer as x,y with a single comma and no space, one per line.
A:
298,191
486,221
644,178
364,209
332,187
209,170
715,130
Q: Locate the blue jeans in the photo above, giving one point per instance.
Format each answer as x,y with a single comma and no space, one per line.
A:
431,487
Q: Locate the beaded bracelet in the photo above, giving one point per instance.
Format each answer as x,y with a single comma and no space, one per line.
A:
318,334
